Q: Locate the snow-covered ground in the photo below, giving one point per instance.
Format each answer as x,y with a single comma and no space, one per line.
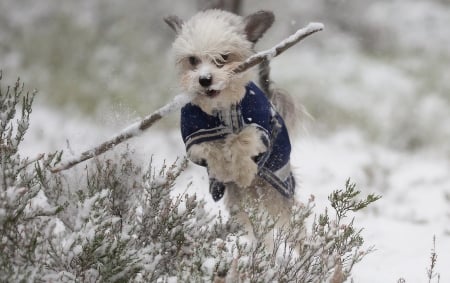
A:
401,226
376,81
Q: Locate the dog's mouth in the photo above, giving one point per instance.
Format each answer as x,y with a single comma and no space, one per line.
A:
211,93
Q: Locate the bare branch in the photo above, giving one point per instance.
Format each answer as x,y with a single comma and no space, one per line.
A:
279,48
180,100
131,131
28,162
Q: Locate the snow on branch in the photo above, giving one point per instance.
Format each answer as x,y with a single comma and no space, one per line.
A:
267,55
131,131
180,100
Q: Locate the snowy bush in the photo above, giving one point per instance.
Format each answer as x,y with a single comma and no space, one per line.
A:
123,224
24,214
323,251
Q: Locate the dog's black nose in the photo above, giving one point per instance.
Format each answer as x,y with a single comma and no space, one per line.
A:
205,81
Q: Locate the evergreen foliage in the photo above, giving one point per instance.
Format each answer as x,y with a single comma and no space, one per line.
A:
124,224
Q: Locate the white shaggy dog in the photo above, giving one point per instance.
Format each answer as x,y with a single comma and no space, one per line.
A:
231,126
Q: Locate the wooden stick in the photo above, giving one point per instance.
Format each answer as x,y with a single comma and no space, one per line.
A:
131,131
279,48
180,100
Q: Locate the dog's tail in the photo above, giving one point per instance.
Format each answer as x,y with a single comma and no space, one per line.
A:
291,110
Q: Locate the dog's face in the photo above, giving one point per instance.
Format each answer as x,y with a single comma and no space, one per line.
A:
209,47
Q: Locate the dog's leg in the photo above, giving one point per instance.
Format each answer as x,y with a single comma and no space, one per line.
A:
212,155
262,199
231,160
239,150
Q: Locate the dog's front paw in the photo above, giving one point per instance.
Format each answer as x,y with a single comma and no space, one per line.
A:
241,149
216,188
245,173
210,154
248,142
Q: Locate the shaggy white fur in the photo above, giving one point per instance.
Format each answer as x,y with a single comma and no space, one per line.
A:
209,37
231,160
207,48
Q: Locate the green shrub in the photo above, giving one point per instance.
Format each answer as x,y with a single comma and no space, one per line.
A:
124,224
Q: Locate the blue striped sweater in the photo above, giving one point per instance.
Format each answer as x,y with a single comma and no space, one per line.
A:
256,110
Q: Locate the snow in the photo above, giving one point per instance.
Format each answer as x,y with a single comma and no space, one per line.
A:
38,202
176,104
271,53
208,265
401,225
13,194
311,27
132,130
382,119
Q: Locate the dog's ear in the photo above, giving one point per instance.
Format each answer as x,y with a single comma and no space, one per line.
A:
257,24
174,22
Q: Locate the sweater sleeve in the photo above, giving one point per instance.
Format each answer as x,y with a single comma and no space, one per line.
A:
198,127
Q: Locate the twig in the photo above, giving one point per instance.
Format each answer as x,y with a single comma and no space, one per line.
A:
431,271
28,162
131,131
180,100
279,48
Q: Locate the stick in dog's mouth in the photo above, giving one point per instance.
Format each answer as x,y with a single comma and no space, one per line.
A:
180,100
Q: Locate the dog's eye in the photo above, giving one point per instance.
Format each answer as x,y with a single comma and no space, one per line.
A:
221,61
194,61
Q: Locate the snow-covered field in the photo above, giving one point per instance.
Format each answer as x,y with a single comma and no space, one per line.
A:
382,118
401,226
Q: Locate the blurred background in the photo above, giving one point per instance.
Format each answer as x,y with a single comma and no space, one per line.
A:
376,82
380,66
